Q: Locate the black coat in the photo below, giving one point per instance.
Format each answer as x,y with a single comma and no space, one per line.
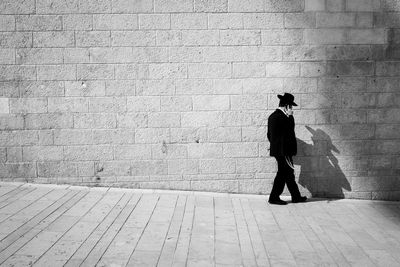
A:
281,134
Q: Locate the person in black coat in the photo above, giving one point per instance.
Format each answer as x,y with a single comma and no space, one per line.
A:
283,147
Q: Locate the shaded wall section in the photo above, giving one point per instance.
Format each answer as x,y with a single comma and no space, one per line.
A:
176,93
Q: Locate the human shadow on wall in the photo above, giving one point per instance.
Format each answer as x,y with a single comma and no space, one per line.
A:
320,172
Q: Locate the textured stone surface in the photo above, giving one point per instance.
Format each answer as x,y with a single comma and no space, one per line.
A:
130,84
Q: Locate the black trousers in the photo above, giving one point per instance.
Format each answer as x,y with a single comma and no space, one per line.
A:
285,175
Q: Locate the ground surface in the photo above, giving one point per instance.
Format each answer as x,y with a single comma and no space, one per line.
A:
49,225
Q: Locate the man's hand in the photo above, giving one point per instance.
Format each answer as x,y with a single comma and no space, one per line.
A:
289,111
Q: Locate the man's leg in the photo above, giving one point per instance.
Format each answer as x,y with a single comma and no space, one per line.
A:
279,181
291,183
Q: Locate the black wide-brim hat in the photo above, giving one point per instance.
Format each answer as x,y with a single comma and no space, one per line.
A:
287,99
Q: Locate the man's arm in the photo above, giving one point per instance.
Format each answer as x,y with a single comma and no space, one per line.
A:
273,129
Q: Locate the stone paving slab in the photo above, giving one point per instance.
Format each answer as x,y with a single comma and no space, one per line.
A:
61,225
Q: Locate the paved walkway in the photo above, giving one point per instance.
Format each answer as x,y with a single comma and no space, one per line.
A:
49,225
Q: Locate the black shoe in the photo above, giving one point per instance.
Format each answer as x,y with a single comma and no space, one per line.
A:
300,199
277,202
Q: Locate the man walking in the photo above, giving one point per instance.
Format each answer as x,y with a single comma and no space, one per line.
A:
283,147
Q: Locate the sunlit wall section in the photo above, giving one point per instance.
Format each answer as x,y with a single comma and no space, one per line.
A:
175,94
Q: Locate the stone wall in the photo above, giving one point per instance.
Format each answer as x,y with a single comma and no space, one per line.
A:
176,93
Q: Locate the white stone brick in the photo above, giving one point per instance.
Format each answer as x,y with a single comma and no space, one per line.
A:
155,87
304,53
282,69
367,36
248,70
262,86
42,153
94,121
54,6
107,104
200,119
254,134
7,23
15,39
80,22
314,5
189,21
4,105
113,136
194,87
135,151
132,120
17,7
92,38
164,119
216,166
111,55
200,37
222,54
115,22
76,55
48,121
246,6
186,54
248,102
154,21
324,36
261,53
211,70
95,6
240,37
143,103
365,20
188,135
262,20
96,152
363,5
73,137
227,86
133,38
237,150
169,38
205,150
132,6
282,37
335,5
176,103
39,89
56,72
300,20
152,135
68,104
173,6
211,5
38,23
215,102
39,56
169,151
183,166
284,6
95,72
312,69
53,39
225,21
257,165
168,71
224,134
85,88
335,20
